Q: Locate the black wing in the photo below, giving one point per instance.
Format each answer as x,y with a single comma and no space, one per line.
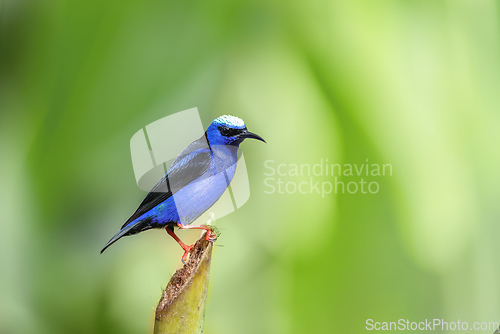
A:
177,177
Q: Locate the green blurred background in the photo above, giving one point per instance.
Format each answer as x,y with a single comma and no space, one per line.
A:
414,84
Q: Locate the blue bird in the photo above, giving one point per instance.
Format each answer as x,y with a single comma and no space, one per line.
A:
194,182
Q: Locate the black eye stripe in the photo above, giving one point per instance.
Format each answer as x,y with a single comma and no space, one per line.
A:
229,132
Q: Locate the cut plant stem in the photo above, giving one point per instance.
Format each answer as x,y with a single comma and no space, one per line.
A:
181,309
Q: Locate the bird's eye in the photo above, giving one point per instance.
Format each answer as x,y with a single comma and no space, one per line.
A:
224,131
228,132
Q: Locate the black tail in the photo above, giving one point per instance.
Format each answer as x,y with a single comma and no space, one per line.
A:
133,228
123,232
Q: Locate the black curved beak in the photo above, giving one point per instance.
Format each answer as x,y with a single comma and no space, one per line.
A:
248,134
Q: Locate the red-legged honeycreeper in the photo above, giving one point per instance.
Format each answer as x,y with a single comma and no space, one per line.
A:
194,182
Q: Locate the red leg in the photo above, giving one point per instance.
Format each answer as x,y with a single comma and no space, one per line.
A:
212,233
185,247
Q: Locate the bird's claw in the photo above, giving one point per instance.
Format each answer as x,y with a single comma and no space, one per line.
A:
187,250
212,234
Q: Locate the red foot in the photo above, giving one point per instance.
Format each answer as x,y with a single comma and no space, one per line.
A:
187,248
212,233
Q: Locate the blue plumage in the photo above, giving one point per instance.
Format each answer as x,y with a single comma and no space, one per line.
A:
194,182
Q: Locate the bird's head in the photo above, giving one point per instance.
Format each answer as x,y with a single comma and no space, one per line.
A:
229,130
